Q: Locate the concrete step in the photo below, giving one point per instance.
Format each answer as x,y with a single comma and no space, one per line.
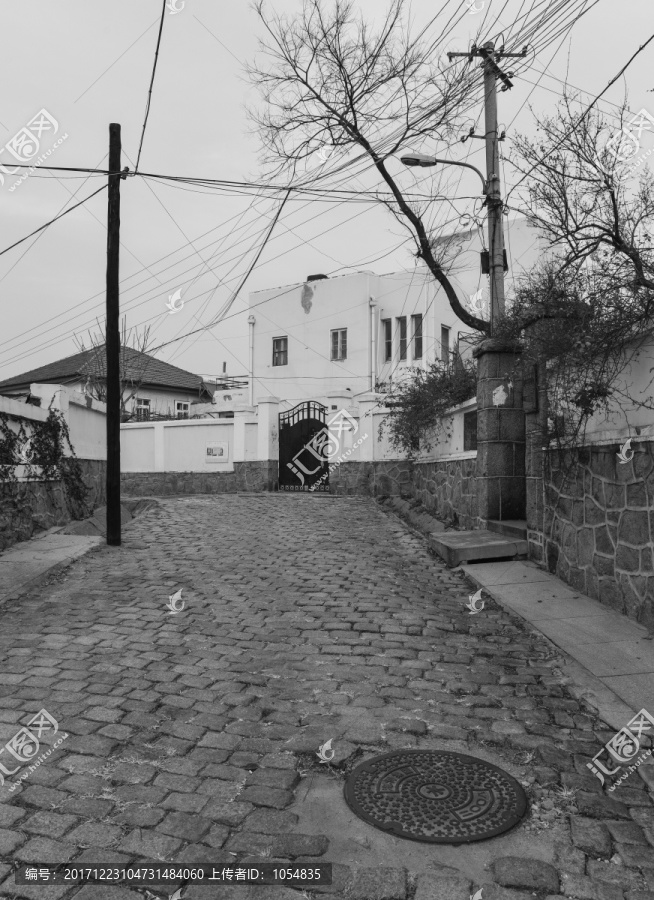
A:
457,547
514,528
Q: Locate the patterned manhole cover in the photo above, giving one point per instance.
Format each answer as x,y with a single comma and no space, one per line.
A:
435,796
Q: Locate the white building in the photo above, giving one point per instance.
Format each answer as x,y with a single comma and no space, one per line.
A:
350,333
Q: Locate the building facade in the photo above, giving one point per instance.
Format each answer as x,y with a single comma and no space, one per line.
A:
360,332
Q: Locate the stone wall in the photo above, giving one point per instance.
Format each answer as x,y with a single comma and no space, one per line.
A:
27,507
247,476
448,490
383,478
598,523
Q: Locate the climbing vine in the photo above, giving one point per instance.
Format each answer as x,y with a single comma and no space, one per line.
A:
43,453
418,405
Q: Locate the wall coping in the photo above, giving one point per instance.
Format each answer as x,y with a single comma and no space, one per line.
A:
467,405
610,436
176,423
451,457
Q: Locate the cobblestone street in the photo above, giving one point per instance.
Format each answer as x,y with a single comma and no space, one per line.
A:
193,737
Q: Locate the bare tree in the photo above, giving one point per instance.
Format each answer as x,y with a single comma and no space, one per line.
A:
583,195
327,79
133,369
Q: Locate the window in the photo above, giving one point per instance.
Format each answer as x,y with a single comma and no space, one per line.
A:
470,430
416,332
388,340
280,351
181,409
339,343
402,328
445,344
142,409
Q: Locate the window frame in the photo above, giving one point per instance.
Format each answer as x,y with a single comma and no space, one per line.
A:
277,353
341,344
402,337
417,335
388,339
143,405
445,343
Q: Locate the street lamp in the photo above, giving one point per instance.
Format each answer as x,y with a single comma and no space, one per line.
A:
420,159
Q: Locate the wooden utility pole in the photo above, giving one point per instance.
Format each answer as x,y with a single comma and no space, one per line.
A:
494,198
112,342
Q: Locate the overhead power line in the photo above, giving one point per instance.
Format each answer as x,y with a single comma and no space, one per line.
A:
47,224
149,100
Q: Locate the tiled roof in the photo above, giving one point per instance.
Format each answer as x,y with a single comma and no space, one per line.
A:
136,366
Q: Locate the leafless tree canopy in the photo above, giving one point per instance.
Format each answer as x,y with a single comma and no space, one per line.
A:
327,78
132,375
594,207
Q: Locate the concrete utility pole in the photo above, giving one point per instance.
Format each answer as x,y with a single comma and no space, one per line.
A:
112,342
494,197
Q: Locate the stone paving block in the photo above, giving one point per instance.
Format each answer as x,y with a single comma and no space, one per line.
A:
9,841
284,779
217,836
150,845
95,834
519,872
611,873
252,843
91,744
189,827
226,813
270,821
582,888
380,883
626,832
636,855
305,845
47,798
597,806
50,824
45,850
186,803
261,795
139,816
91,808
10,814
220,740
591,836
437,887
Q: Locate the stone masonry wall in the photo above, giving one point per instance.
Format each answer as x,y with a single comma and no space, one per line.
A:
448,489
372,479
27,507
598,525
247,476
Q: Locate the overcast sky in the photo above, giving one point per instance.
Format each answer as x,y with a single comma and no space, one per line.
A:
88,64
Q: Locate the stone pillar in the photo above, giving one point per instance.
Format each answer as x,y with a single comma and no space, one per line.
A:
159,446
242,415
500,431
368,405
268,428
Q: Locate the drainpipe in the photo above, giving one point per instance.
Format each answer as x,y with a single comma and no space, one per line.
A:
251,321
373,345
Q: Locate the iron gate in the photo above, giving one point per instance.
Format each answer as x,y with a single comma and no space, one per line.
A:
302,434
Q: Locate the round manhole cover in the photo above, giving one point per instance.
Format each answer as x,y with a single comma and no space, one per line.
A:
435,796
